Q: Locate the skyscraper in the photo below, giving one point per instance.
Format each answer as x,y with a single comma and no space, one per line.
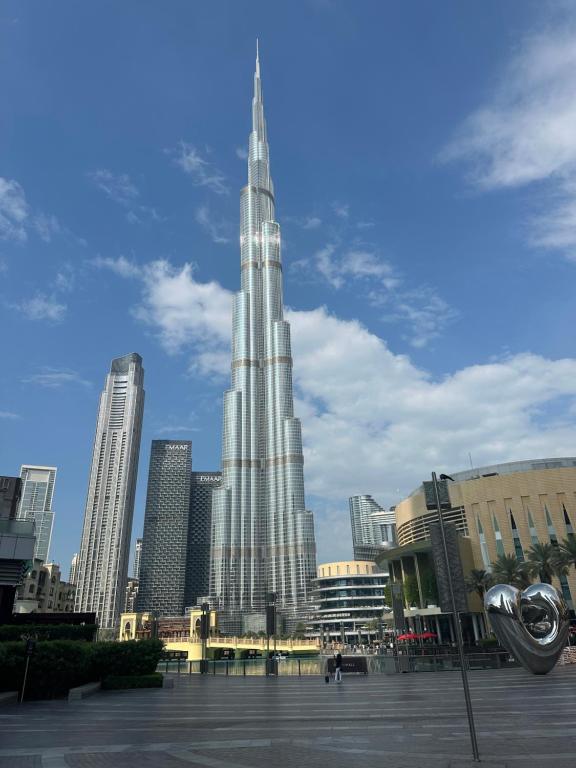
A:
73,575
262,535
163,561
36,505
137,559
373,528
103,561
198,558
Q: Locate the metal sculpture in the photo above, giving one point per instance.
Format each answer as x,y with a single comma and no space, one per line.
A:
532,625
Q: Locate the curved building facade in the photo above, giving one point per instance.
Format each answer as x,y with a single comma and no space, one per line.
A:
350,601
503,509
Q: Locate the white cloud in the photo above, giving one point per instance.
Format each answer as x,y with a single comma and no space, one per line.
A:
373,421
311,222
118,187
42,307
53,378
216,229
14,210
242,153
202,172
121,266
46,226
9,415
342,210
424,312
526,134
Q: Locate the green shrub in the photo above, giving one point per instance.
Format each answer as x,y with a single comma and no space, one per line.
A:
58,665
55,667
121,682
133,657
13,632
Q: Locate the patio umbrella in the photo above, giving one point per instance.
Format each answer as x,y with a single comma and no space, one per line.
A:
427,635
408,636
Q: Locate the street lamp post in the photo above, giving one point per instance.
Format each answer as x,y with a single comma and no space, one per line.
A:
456,621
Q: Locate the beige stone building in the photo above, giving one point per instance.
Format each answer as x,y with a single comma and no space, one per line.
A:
43,591
503,509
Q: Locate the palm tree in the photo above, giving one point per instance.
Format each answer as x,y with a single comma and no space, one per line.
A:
546,561
507,569
479,581
568,551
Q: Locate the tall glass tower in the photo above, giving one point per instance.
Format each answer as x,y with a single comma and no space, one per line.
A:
262,537
36,505
103,563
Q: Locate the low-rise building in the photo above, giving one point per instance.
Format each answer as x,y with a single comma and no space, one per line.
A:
17,541
43,591
350,601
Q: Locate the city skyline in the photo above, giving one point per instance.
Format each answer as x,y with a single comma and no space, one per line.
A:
419,230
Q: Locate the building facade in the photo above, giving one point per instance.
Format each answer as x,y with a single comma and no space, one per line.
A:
162,575
43,591
262,536
131,595
17,543
350,601
373,528
36,504
104,550
137,559
202,486
503,509
73,574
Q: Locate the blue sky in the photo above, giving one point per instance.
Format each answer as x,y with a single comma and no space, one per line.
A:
424,157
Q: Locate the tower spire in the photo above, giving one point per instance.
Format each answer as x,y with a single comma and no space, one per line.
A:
257,60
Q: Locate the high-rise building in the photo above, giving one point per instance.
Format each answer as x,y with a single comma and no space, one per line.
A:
198,559
162,578
16,544
36,505
73,575
262,535
104,551
137,559
373,528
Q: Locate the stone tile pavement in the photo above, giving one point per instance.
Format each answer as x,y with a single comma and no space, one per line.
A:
415,720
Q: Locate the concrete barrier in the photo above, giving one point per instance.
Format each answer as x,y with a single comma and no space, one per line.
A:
9,697
83,691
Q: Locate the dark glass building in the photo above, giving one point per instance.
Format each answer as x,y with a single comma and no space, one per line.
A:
198,563
165,541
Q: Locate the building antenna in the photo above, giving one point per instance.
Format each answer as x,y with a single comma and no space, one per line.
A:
470,458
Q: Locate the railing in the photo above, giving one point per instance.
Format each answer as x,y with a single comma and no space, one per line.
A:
386,664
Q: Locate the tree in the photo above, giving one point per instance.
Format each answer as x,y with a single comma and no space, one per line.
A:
546,561
479,581
410,585
568,551
507,569
300,630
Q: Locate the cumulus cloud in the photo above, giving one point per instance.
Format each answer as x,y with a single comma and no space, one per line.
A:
54,378
201,171
525,135
42,307
373,421
14,210
216,228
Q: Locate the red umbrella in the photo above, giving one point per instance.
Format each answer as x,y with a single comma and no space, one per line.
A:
408,636
427,635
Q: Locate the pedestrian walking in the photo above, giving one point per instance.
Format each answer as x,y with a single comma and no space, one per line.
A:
338,672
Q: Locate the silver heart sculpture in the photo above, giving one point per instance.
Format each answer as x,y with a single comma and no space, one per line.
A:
532,625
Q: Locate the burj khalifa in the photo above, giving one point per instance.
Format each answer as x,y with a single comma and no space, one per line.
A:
262,536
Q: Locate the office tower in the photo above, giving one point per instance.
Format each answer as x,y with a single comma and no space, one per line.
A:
73,569
36,505
373,528
262,535
131,595
164,546
198,559
104,551
16,544
137,559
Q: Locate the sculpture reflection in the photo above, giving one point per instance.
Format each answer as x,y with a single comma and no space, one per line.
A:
532,625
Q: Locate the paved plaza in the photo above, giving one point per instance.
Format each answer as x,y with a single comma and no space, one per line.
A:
413,720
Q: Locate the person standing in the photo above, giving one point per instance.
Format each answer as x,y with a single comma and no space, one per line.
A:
338,672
